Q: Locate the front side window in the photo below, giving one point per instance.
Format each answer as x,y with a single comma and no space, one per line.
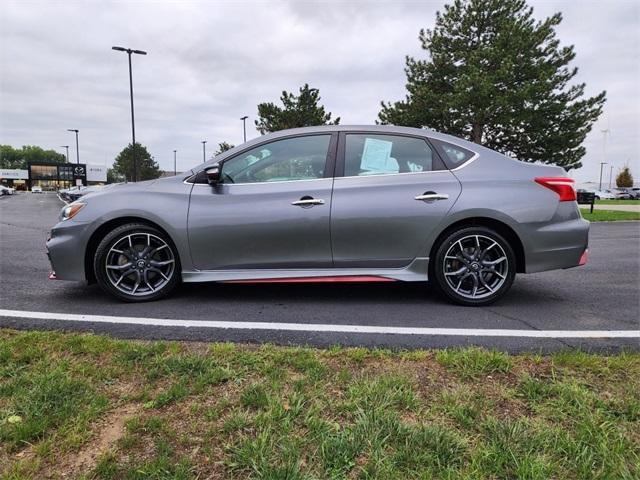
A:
299,158
385,154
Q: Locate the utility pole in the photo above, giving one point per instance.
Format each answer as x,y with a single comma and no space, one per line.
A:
129,51
605,133
610,176
204,150
77,149
67,147
175,171
602,164
244,127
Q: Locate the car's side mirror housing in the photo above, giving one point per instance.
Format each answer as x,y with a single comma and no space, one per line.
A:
213,174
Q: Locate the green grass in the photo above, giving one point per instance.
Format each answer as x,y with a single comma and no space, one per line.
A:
617,202
609,215
169,410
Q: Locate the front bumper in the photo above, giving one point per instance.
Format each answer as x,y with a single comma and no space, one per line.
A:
66,248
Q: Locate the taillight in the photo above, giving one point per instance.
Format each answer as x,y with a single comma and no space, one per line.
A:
561,185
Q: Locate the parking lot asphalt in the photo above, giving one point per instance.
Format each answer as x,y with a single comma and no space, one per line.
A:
602,296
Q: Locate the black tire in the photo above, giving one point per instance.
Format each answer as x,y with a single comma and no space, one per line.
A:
479,268
151,265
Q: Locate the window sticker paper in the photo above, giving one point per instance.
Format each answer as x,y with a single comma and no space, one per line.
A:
376,156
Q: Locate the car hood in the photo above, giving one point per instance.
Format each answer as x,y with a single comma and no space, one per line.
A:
132,187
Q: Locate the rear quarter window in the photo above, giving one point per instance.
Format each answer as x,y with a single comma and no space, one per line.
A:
453,155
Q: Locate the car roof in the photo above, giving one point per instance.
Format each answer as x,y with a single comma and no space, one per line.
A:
425,132
383,129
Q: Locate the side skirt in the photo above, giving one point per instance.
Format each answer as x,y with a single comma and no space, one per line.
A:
416,271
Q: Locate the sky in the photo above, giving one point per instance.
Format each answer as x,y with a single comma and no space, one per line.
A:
209,63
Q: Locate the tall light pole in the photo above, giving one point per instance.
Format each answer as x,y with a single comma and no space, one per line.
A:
77,150
602,164
129,51
610,176
204,150
175,171
244,127
67,147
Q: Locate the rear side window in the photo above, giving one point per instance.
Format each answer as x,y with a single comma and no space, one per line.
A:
386,154
453,155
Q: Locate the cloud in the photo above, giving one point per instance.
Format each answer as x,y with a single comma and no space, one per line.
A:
210,63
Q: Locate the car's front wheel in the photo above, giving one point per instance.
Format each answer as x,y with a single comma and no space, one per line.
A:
136,262
474,266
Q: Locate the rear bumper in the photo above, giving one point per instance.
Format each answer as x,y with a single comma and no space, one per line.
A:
557,245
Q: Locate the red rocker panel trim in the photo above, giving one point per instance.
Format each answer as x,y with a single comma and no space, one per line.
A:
338,279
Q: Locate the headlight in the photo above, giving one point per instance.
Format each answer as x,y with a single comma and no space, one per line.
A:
71,210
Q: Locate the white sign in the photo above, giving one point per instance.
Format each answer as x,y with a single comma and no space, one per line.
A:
96,173
14,174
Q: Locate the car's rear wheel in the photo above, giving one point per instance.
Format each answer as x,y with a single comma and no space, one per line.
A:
473,266
136,263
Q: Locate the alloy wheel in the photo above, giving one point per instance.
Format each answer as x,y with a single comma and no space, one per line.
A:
475,266
139,264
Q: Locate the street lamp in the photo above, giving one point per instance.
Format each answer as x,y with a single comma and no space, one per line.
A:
77,150
67,147
129,51
244,127
175,171
610,175
602,164
204,150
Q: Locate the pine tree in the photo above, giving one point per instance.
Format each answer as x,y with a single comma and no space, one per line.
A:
624,178
297,111
223,147
498,77
147,166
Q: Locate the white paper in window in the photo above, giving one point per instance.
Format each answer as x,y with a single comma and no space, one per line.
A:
376,156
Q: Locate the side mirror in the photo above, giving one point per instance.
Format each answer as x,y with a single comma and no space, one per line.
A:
213,174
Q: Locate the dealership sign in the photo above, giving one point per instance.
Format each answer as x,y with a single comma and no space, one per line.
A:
96,173
14,174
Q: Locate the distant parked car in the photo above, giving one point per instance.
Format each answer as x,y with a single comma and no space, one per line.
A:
634,192
6,190
70,194
604,195
36,189
81,192
620,194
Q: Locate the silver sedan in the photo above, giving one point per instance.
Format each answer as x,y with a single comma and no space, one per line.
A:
329,204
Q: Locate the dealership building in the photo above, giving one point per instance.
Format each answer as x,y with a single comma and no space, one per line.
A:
54,176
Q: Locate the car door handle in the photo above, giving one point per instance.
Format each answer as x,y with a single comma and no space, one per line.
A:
308,202
432,196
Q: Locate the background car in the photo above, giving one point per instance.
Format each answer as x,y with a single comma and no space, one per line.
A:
329,204
6,190
36,189
74,193
634,192
604,195
620,193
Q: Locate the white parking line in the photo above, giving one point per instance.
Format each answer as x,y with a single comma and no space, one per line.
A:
311,327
